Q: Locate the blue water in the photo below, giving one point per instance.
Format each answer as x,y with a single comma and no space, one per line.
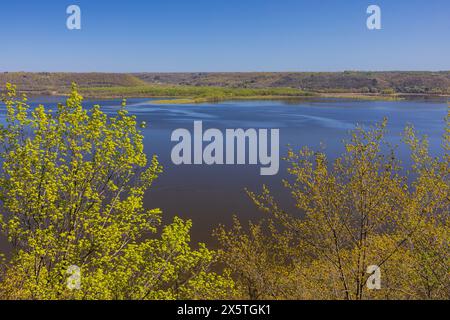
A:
210,195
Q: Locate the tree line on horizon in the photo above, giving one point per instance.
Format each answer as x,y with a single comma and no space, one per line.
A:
72,184
129,84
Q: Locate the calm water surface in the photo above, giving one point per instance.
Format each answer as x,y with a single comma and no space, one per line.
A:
210,195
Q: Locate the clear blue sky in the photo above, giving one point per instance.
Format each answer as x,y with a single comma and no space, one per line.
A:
224,35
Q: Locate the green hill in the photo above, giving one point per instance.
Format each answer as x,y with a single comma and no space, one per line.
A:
59,83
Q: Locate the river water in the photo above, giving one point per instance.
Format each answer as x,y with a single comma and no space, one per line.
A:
210,195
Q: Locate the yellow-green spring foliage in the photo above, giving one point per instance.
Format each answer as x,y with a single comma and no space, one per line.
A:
359,210
71,194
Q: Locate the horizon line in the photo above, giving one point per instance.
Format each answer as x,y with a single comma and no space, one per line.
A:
304,71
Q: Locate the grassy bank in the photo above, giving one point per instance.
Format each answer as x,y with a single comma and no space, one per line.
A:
197,94
359,96
192,94
215,99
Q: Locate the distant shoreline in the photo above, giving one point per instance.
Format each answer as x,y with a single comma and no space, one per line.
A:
179,88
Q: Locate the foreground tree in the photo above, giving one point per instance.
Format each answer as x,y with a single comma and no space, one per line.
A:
426,220
71,200
354,213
